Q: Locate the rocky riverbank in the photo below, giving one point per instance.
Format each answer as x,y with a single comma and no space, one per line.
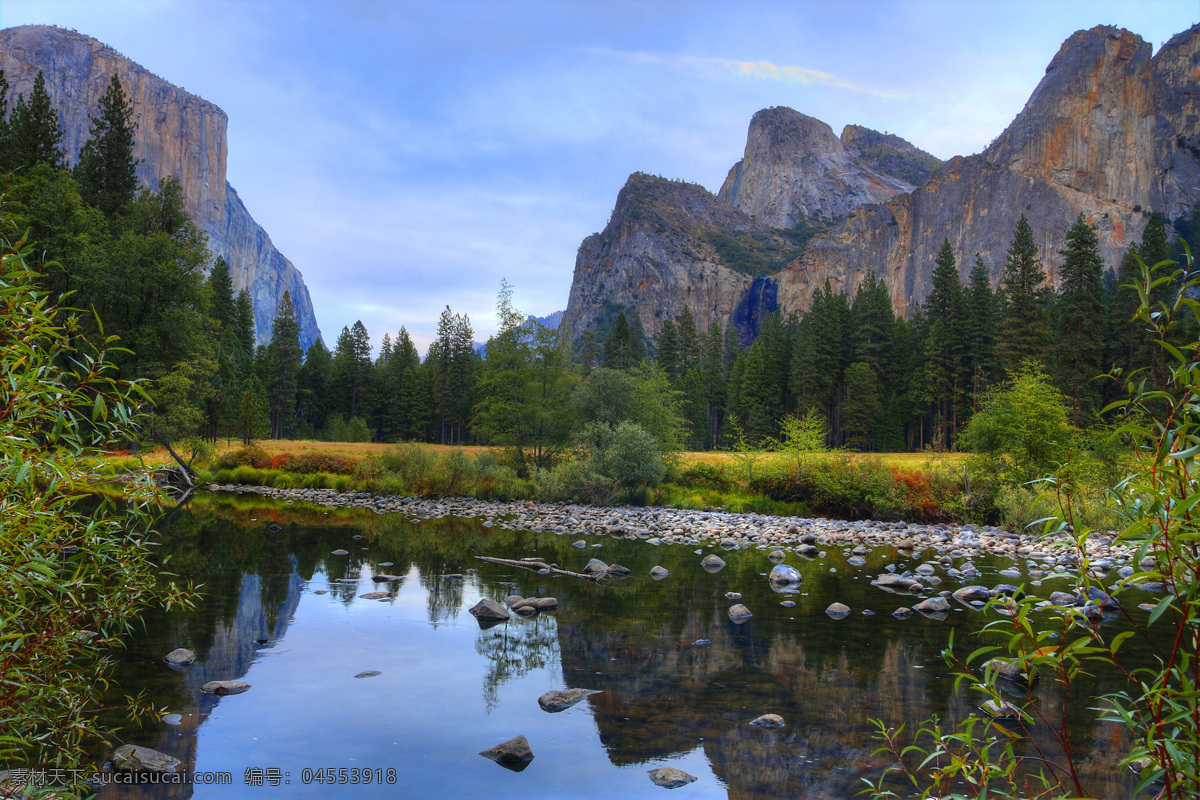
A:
657,525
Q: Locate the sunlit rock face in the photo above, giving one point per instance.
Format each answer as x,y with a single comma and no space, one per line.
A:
1112,131
178,135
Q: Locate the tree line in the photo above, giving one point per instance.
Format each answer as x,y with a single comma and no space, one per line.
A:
879,381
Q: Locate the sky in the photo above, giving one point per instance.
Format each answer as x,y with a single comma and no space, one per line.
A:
407,156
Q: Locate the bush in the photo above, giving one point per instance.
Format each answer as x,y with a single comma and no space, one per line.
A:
625,453
574,482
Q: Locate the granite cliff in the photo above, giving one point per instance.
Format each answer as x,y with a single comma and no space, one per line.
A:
1112,131
178,134
796,168
669,244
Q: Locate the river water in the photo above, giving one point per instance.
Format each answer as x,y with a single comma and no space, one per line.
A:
676,681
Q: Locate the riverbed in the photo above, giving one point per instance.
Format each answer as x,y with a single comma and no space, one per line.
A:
406,687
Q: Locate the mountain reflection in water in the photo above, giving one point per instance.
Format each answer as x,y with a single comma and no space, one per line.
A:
448,689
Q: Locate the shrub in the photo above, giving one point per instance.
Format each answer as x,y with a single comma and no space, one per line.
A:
625,453
576,482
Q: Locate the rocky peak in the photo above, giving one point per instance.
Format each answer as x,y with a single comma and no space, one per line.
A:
1177,137
1089,125
889,154
795,168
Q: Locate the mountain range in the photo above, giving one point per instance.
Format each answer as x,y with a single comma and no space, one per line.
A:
1112,132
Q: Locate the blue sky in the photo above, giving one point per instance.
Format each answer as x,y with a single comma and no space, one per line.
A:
408,155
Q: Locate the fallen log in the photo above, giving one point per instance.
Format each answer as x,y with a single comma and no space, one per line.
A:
535,566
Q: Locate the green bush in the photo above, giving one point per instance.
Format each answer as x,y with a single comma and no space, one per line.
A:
574,482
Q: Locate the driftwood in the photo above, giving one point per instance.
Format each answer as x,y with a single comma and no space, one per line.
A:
535,566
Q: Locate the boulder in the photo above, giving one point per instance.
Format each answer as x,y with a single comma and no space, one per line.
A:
618,570
513,754
512,600
487,610
670,778
180,657
768,721
1010,671
712,563
1002,710
970,593
784,575
561,699
659,572
837,610
547,603
370,673
1063,599
902,612
739,613
224,687
932,605
373,595
806,550
595,567
132,758
777,555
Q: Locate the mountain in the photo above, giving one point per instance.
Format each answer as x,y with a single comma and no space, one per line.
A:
796,168
670,244
178,134
1112,131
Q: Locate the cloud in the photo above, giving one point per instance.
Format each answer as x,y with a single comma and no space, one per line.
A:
756,70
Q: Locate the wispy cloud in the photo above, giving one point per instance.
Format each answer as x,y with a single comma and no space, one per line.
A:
755,70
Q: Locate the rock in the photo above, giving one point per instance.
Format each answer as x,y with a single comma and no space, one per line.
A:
1001,709
1062,599
777,555
712,563
513,754
856,561
806,550
618,570
595,567
321,591
374,595
896,582
739,613
223,688
547,603
385,578
561,699
1010,671
1104,600
659,572
132,758
733,595
513,599
486,610
905,544
580,543
768,721
180,657
340,552
784,575
971,593
932,605
788,603
902,612
837,610
370,673
670,778
1007,589
729,544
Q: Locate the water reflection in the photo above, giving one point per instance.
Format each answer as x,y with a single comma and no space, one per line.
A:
447,689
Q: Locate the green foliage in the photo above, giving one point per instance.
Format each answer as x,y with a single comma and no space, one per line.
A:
106,169
763,253
64,605
340,429
283,367
625,453
803,436
1158,705
33,135
1022,432
1079,347
1024,326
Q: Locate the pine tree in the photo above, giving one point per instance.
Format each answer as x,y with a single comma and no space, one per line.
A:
981,332
637,340
712,379
588,353
242,320
874,323
946,310
1024,327
106,170
312,388
759,397
1079,348
666,351
6,148
283,367
34,134
618,353
220,286
689,341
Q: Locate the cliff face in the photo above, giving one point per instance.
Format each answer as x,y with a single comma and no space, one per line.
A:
796,167
178,134
667,245
1110,132
1104,134
889,154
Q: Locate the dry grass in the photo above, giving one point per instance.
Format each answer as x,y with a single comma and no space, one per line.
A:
359,449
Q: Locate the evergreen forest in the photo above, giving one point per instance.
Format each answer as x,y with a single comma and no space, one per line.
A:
133,262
